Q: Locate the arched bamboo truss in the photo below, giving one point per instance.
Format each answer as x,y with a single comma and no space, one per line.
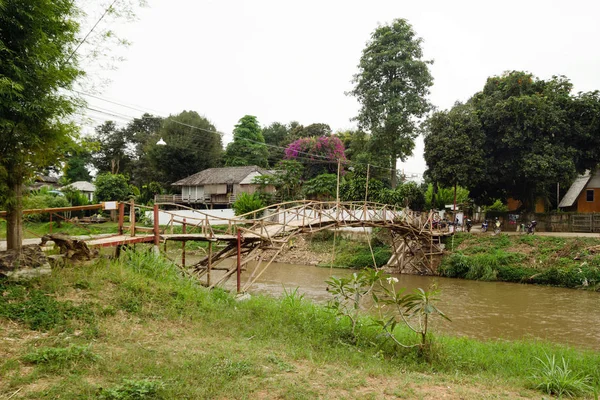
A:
267,231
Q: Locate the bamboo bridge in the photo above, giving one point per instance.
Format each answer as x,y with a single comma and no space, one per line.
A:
263,234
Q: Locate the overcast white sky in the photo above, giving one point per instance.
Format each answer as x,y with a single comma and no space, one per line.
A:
284,61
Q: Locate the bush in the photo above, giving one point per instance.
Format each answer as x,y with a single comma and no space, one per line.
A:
43,199
246,203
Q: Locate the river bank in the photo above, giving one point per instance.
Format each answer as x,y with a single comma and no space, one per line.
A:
564,261
135,325
572,262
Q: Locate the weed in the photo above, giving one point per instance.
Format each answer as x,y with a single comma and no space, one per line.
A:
291,299
558,379
232,369
38,310
281,364
60,357
134,389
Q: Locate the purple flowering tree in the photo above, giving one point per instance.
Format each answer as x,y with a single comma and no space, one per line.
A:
319,155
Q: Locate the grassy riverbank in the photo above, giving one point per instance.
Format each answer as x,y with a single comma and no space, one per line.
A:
134,327
557,261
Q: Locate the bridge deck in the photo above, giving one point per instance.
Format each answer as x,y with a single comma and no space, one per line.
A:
118,240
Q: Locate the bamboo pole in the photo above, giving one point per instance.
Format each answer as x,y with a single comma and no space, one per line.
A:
209,267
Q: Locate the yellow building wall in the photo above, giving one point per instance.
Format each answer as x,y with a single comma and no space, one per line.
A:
513,204
540,205
588,206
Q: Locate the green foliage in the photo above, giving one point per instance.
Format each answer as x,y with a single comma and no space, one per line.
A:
74,196
498,205
275,134
288,179
355,188
322,187
149,191
490,258
42,198
38,310
520,135
348,294
445,196
391,87
247,203
193,145
58,357
134,389
110,187
558,379
248,145
454,147
396,307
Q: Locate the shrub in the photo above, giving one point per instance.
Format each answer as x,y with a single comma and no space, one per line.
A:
246,203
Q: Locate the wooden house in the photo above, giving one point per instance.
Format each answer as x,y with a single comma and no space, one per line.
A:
584,194
217,186
85,188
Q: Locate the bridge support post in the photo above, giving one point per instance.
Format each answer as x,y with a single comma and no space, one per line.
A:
121,216
184,231
239,260
156,231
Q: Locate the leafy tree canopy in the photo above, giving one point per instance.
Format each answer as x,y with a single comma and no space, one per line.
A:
37,40
112,187
248,145
454,147
391,86
193,145
520,135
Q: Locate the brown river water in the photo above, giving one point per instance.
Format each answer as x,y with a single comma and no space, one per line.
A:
483,310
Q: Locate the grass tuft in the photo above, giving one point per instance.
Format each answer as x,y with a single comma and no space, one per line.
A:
558,379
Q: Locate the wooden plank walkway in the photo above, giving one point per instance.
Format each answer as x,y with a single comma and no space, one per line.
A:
119,240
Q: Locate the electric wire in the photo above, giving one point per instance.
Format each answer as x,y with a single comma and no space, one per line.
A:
310,157
91,30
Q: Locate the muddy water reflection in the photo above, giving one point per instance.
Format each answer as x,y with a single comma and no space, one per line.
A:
486,310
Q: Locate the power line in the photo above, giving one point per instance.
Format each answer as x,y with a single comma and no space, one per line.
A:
145,111
283,149
91,30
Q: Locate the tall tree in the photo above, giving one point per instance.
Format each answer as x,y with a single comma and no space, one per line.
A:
454,147
114,154
529,137
391,86
37,42
248,145
192,145
275,135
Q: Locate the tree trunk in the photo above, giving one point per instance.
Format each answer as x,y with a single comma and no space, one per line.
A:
394,178
14,219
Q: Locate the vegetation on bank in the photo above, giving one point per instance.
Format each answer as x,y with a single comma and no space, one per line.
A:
557,261
350,252
135,328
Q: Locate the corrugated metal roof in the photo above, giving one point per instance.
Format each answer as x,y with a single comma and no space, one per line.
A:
83,186
215,176
575,189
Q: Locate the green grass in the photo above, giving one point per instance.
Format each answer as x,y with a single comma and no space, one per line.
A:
160,335
526,259
350,253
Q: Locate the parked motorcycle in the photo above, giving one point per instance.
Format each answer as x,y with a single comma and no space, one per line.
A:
531,227
484,226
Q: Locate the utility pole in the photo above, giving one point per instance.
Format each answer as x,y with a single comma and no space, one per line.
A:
367,185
